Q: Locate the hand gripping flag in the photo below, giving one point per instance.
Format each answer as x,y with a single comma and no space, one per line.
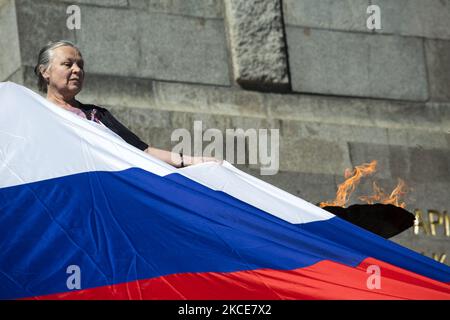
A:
84,215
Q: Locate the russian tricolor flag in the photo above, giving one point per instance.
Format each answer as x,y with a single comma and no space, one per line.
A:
72,193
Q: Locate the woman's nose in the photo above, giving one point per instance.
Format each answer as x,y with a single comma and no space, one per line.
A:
76,68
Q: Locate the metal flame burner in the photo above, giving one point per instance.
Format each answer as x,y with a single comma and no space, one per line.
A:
385,220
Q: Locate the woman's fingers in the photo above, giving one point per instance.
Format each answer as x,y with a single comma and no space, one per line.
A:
209,159
197,160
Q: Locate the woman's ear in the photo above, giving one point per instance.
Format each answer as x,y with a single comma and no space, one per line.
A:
44,72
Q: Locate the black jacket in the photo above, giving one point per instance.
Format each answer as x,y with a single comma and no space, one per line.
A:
96,113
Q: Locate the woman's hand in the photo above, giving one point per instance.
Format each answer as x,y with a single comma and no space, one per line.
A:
176,160
189,161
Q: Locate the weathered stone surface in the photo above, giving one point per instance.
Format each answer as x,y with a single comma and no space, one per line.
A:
221,122
122,114
208,99
361,153
150,118
445,116
304,108
130,43
416,138
313,156
438,63
406,115
354,112
151,126
332,119
354,64
333,132
30,79
410,137
9,40
414,164
117,91
327,14
257,44
433,248
429,195
311,187
410,124
358,112
319,109
421,165
144,122
183,49
186,121
109,44
40,22
100,3
16,77
159,138
429,165
415,17
194,8
401,17
158,46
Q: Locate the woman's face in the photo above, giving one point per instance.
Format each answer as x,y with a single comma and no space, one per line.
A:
65,74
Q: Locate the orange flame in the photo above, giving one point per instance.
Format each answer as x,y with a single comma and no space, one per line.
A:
380,196
353,178
346,188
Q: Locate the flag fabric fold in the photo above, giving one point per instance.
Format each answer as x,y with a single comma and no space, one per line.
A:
84,215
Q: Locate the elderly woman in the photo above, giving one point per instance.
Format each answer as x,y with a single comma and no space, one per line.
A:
60,69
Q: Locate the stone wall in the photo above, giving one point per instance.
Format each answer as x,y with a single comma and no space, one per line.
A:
340,94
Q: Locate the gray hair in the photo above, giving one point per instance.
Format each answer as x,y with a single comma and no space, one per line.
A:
45,55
